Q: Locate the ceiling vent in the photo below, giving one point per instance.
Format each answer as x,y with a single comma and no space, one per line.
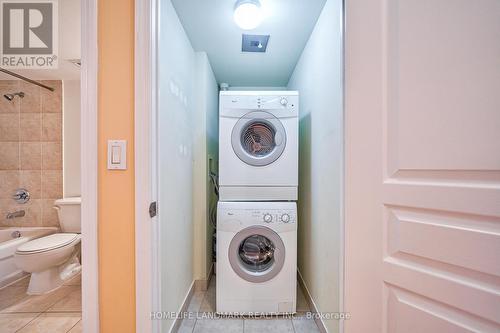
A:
254,43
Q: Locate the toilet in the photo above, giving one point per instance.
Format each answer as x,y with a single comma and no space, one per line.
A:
53,259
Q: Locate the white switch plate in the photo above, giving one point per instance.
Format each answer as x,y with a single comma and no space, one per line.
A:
117,154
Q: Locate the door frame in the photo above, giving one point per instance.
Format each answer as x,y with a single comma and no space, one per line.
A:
89,167
147,265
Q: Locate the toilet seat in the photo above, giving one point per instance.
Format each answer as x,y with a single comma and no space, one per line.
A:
48,243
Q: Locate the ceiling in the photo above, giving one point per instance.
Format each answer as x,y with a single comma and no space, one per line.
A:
210,27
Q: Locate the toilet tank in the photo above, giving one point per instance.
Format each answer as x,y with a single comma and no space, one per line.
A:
69,213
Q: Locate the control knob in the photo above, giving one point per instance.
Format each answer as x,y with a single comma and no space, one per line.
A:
268,218
285,218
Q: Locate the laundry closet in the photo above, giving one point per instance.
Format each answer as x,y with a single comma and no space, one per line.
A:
249,155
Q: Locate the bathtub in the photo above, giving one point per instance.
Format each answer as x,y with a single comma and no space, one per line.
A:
10,239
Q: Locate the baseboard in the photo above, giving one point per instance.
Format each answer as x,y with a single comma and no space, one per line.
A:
178,320
312,305
196,285
14,278
202,285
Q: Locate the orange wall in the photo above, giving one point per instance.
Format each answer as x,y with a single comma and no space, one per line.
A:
116,188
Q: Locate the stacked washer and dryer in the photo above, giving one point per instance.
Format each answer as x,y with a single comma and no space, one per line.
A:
257,212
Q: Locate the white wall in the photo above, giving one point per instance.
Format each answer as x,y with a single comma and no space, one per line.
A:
71,138
176,110
205,145
318,78
212,157
69,29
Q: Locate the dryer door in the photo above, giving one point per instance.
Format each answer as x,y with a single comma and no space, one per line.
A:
258,138
257,254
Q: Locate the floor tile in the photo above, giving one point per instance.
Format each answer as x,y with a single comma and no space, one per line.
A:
38,303
11,295
24,282
218,325
72,302
187,325
196,300
53,323
205,301
10,323
77,328
268,325
211,284
302,305
304,324
208,303
75,281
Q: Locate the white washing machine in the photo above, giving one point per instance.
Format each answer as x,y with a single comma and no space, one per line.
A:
256,257
258,145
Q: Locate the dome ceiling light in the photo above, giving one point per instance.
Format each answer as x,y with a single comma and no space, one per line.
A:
248,14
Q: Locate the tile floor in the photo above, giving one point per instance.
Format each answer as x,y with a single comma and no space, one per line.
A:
204,302
57,312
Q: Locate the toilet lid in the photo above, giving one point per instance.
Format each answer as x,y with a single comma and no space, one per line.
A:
49,242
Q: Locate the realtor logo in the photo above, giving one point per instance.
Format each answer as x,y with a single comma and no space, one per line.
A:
29,34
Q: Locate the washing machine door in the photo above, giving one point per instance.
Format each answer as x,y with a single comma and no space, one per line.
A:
258,138
257,254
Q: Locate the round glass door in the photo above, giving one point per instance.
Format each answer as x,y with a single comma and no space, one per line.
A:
258,138
257,254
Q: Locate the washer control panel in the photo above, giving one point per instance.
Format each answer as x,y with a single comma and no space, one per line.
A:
278,217
266,216
272,216
282,214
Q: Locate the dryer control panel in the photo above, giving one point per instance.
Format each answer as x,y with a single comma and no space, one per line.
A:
264,102
280,104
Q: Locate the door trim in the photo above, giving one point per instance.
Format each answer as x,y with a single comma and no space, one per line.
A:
89,83
147,286
147,265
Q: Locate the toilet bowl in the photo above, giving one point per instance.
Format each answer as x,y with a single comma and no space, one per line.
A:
54,258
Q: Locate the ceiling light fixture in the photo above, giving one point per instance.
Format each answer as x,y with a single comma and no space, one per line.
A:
248,14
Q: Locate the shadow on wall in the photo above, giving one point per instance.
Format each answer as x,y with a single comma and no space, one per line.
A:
305,197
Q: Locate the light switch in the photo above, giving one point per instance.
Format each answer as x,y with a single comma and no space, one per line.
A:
117,154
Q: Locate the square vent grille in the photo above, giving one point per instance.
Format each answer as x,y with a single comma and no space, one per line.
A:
254,43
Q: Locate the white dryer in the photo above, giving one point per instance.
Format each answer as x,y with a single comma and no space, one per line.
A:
258,145
256,257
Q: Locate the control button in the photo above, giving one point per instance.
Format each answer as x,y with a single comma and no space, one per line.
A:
283,101
116,153
268,218
285,218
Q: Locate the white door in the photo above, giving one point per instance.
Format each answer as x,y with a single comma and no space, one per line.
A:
422,166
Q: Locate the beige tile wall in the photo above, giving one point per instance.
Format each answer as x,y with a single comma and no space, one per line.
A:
31,152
